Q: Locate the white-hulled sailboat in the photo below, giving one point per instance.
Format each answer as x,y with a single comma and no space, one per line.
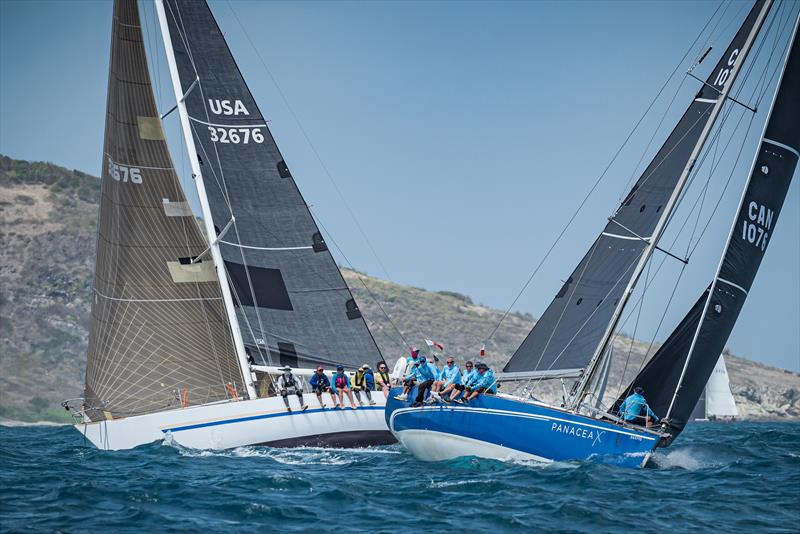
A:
189,324
716,403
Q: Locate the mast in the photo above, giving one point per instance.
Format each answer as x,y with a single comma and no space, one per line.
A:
734,63
208,221
718,274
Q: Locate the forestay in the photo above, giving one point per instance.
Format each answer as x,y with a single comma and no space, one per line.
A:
159,338
675,377
571,329
292,304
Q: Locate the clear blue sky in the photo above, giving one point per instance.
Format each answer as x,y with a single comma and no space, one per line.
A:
463,135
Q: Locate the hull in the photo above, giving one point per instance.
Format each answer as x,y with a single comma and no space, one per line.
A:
251,422
504,428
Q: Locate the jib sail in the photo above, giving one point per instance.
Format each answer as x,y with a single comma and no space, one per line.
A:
159,337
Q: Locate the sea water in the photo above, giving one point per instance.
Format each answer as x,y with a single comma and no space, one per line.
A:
739,477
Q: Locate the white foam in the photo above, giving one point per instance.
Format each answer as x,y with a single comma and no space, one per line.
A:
683,458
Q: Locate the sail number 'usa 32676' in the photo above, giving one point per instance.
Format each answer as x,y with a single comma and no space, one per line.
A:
232,134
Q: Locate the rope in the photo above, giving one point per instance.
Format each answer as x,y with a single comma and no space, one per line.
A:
599,179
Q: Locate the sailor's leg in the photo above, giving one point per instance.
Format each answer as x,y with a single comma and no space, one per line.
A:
333,398
422,388
303,405
369,396
285,396
358,396
350,396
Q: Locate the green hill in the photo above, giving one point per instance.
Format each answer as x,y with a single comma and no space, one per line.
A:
48,216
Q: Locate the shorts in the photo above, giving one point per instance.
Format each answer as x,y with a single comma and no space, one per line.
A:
480,390
460,387
321,389
410,382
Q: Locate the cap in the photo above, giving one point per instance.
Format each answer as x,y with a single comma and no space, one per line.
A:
637,389
287,368
320,368
340,367
482,366
365,366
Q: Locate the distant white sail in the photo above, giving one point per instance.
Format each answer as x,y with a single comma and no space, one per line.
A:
719,399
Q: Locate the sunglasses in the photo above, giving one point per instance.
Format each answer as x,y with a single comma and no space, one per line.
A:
469,367
450,361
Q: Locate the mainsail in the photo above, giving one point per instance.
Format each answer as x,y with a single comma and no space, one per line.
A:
159,337
572,328
292,304
674,378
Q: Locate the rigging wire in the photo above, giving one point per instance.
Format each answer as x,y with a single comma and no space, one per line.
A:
600,178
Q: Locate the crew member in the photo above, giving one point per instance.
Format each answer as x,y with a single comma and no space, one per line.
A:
483,382
287,383
360,383
320,384
449,376
383,379
340,384
635,410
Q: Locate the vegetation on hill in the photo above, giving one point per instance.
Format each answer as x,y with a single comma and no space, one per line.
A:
47,241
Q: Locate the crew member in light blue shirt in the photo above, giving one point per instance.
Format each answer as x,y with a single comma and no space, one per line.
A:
449,377
466,377
484,382
635,410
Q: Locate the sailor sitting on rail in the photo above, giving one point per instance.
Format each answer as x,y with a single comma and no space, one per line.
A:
320,384
483,382
422,375
287,383
635,409
448,378
340,384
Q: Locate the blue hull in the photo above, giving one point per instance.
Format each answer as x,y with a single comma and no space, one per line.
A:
497,427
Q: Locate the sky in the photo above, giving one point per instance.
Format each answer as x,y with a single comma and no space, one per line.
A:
458,137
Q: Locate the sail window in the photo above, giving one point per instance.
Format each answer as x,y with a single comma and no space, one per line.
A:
352,309
184,271
287,354
283,170
268,287
176,209
318,243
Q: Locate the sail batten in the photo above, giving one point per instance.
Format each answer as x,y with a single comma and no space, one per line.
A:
572,330
289,299
157,327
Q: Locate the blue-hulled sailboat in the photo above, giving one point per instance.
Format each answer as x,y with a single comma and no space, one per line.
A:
572,338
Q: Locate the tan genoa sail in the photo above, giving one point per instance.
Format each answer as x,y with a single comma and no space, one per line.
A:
159,335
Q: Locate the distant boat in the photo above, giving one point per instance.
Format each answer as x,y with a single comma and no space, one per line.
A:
570,340
716,402
189,323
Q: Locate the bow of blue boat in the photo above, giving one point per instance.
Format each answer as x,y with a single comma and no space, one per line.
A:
505,427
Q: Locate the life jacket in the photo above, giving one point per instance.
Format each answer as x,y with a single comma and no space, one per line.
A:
359,380
288,382
341,381
384,377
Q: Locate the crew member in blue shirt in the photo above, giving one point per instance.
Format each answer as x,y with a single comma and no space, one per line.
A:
467,377
484,382
422,376
635,409
448,378
320,384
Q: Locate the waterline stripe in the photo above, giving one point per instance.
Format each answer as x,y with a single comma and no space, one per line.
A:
263,416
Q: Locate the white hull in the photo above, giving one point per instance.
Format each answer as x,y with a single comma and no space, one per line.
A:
433,446
251,422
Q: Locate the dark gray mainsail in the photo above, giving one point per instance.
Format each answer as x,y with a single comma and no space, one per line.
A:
292,304
571,329
677,374
159,337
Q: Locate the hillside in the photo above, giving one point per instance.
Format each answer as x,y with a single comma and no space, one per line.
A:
48,216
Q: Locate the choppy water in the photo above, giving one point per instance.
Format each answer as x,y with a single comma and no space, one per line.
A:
741,477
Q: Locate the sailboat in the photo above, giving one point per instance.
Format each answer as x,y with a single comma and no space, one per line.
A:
716,403
190,324
571,339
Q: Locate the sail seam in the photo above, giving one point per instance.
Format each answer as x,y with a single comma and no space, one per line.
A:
259,125
628,237
265,248
155,300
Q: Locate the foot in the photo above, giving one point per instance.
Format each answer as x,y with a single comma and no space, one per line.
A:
372,403
401,397
322,406
416,405
353,407
304,408
430,400
288,409
446,400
